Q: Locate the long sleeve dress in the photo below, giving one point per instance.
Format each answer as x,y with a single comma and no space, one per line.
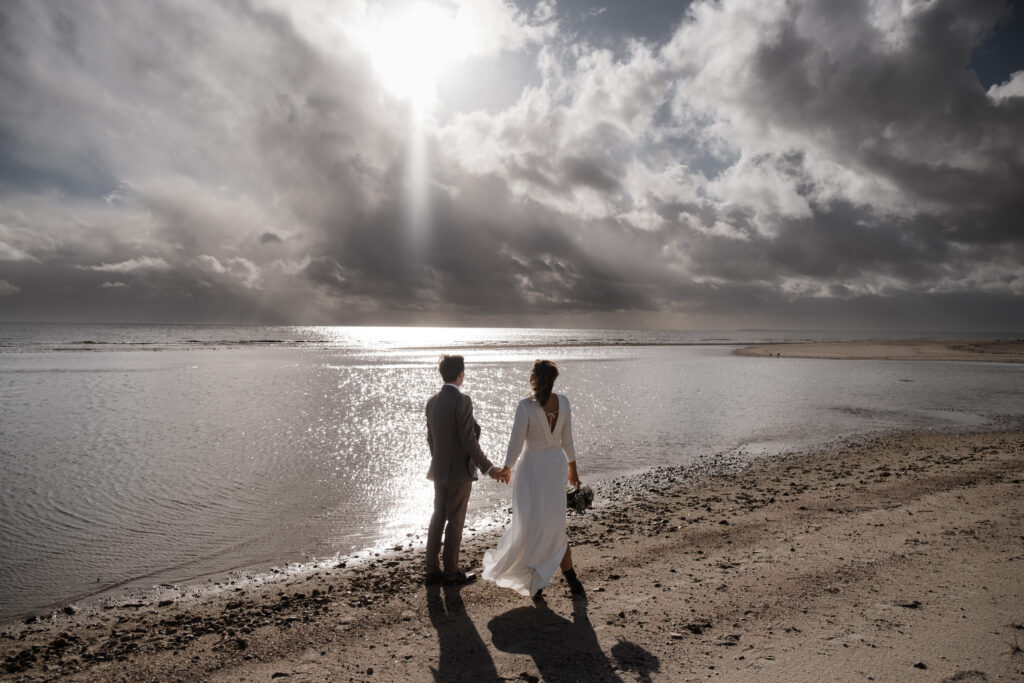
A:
532,547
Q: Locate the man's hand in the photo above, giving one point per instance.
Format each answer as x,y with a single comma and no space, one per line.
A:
501,474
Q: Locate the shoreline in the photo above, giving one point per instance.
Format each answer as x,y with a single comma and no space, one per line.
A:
480,533
869,550
996,351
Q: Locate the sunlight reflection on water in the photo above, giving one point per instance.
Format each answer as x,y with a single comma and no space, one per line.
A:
160,467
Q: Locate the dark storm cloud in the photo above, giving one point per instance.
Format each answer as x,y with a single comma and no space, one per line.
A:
177,132
699,163
904,113
590,172
834,245
485,254
827,99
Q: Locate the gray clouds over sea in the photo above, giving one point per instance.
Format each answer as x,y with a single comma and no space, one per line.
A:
668,164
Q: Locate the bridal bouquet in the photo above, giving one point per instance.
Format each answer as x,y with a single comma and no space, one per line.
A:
579,498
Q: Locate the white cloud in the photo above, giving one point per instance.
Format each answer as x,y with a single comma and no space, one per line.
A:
134,265
242,269
16,252
211,263
113,285
8,289
1011,88
10,253
245,270
567,143
499,25
289,267
1000,276
861,93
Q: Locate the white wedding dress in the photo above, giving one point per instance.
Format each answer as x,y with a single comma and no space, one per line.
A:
533,545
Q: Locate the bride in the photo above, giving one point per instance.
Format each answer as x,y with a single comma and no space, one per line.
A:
535,544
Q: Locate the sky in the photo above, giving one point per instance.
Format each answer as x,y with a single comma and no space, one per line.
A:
675,164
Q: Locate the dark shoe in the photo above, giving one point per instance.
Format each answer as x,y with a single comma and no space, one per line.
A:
538,597
575,587
433,579
459,578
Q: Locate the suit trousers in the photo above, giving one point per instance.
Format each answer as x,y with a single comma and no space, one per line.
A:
450,501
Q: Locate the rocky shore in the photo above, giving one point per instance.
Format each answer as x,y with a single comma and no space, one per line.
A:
890,557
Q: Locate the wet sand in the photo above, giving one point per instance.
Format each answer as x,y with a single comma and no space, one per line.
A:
890,558
998,351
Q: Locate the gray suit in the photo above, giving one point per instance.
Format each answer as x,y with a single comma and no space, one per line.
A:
455,455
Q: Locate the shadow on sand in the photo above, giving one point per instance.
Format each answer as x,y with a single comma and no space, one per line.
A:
464,655
565,650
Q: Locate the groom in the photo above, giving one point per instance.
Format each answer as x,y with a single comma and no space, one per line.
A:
455,455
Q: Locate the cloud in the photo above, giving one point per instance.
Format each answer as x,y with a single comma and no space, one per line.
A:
9,253
242,269
134,265
8,289
113,285
246,271
13,245
764,164
1011,88
212,263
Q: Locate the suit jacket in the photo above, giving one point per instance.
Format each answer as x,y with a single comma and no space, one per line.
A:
453,436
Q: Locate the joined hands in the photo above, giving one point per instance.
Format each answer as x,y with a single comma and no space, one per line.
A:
502,474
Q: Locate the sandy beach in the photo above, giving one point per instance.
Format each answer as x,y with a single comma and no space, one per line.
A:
997,351
890,558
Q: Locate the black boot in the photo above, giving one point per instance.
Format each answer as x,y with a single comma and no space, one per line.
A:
575,587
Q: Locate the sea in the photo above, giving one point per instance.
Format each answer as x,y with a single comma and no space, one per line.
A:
135,456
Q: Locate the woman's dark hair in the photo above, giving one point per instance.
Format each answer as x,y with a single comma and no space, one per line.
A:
542,379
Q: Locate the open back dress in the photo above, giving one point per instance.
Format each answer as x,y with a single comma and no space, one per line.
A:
532,547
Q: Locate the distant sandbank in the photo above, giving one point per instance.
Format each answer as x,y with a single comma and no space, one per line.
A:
997,351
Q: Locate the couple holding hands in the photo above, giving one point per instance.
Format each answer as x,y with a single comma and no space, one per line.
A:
535,544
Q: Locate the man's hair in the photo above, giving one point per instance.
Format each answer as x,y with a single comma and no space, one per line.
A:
451,367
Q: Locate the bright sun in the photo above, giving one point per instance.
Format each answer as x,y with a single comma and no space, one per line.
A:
410,51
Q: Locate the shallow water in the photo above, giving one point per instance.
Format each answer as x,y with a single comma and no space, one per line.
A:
242,447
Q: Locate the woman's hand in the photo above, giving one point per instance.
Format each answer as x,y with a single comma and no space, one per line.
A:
574,478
